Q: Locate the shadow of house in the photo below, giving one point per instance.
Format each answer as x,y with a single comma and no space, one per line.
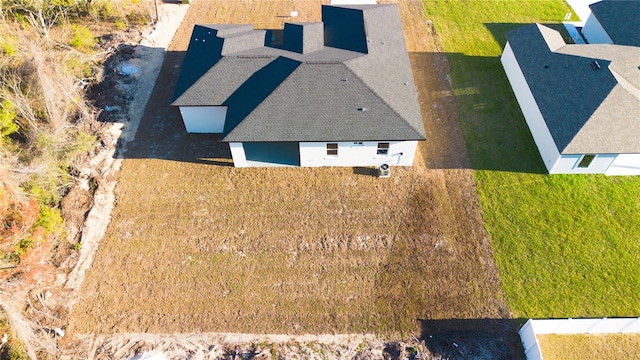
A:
473,338
496,135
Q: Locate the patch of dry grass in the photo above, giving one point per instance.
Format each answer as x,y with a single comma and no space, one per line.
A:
590,346
194,246
199,247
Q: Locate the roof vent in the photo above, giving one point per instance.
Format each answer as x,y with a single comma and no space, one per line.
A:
595,65
363,109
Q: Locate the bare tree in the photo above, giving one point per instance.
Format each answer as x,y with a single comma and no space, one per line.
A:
42,15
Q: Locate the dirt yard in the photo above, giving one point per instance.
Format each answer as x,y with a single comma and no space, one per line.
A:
195,245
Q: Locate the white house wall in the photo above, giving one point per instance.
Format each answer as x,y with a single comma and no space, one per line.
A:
401,153
568,164
539,130
594,32
625,164
238,155
204,119
353,2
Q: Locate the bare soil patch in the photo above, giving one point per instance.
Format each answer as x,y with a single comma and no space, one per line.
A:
195,245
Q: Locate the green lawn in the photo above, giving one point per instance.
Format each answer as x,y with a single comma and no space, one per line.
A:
566,246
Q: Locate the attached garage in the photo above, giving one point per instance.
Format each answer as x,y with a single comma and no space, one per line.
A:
625,164
204,119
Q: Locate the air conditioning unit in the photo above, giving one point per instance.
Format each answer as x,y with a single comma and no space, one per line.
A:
384,171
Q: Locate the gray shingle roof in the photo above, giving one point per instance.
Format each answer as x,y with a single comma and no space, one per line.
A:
620,19
344,108
207,45
587,110
303,38
386,69
301,91
216,85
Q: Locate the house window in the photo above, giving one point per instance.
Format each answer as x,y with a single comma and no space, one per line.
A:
383,148
357,143
586,161
332,149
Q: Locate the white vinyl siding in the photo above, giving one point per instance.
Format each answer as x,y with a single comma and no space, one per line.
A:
357,154
538,127
625,164
594,32
569,164
204,119
238,155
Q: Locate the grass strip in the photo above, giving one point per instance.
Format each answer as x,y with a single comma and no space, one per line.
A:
565,246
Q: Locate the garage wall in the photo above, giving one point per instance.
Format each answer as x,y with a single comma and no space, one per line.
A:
568,164
401,153
541,135
625,164
594,32
204,119
238,155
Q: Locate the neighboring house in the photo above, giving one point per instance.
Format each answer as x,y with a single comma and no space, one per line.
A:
581,102
613,22
335,93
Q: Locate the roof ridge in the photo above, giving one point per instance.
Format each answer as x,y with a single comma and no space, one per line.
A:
239,33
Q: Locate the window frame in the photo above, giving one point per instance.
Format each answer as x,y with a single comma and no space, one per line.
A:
382,148
585,161
332,149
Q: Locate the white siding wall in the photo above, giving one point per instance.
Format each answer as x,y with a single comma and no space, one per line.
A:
203,119
238,155
530,341
541,135
349,154
594,32
585,326
568,164
353,2
625,164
